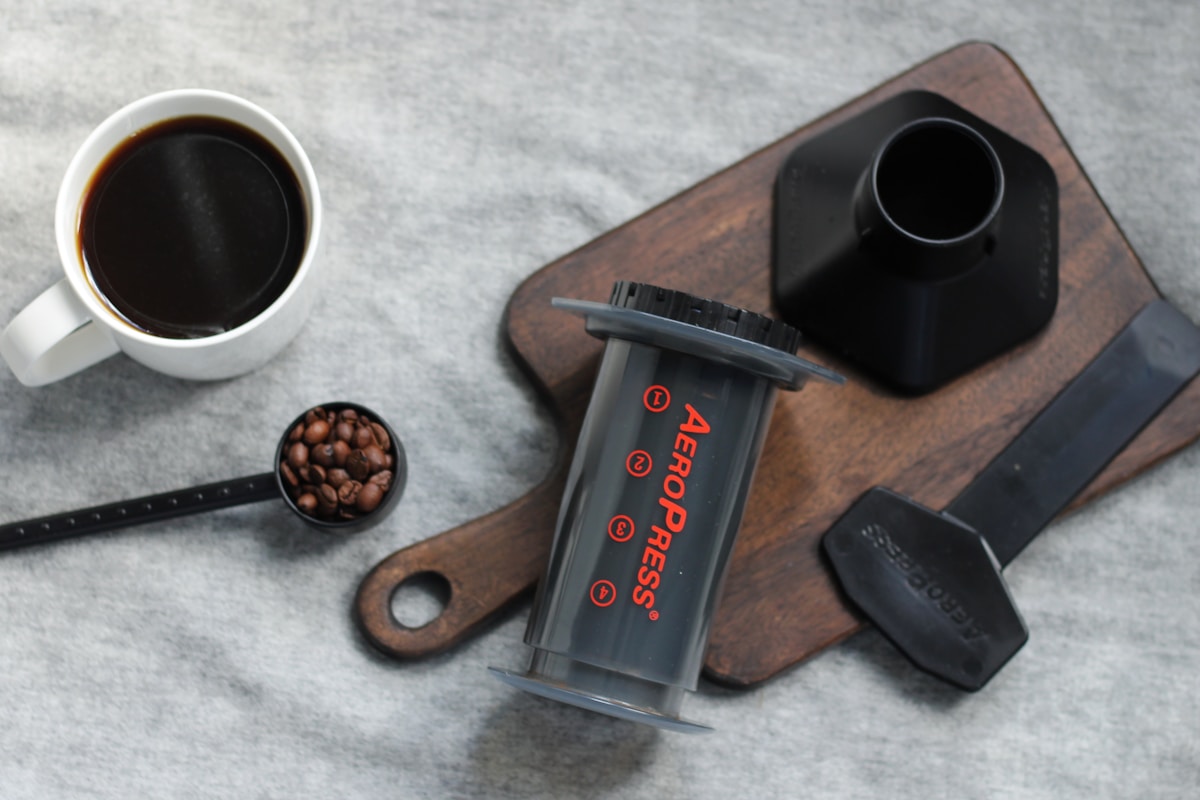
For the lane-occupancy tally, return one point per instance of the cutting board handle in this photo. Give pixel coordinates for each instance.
(486, 563)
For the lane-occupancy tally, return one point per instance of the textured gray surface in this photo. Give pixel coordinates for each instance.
(460, 146)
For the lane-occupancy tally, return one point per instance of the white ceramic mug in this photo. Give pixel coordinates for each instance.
(68, 327)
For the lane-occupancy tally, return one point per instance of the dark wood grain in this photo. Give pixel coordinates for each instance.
(827, 445)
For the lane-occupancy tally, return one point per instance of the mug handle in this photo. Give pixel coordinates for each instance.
(53, 337)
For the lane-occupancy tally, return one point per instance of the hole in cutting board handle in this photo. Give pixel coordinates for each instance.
(420, 599)
(486, 563)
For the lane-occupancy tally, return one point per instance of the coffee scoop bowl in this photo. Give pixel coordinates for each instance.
(338, 466)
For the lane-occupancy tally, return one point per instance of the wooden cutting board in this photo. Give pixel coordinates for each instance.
(827, 445)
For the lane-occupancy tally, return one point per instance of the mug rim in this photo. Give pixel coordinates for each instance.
(91, 154)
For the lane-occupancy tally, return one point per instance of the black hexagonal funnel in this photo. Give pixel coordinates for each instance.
(916, 240)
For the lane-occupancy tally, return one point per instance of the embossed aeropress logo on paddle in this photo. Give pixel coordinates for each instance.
(919, 579)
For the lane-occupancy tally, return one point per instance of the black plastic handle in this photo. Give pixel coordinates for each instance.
(1081, 430)
(98, 519)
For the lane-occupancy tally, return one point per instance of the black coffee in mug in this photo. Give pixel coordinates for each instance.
(192, 227)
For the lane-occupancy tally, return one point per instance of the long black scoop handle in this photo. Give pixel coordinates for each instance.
(166, 505)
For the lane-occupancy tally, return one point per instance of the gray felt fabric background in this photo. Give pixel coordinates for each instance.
(460, 146)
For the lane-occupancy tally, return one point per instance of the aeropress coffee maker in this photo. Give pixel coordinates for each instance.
(654, 497)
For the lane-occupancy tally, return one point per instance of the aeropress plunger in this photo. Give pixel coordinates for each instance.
(654, 497)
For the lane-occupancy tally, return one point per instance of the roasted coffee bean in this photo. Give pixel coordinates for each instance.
(348, 492)
(369, 498)
(344, 431)
(341, 451)
(313, 473)
(296, 433)
(375, 457)
(348, 414)
(297, 455)
(307, 503)
(316, 432)
(322, 454)
(336, 477)
(362, 437)
(327, 500)
(313, 415)
(289, 475)
(381, 436)
(358, 466)
(382, 479)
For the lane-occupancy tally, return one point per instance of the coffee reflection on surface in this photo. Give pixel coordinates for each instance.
(192, 227)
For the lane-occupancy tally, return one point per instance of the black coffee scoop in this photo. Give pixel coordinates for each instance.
(931, 581)
(298, 478)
